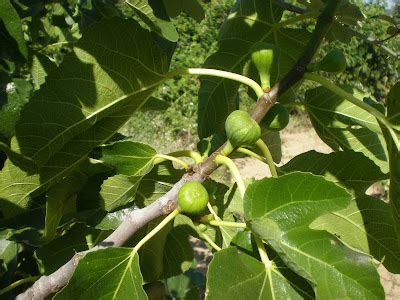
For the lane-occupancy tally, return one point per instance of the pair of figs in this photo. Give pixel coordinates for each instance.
(241, 130)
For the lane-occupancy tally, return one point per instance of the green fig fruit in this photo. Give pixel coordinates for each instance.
(241, 129)
(262, 56)
(193, 197)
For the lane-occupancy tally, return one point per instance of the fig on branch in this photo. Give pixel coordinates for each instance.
(241, 129)
(192, 197)
(333, 62)
(262, 56)
(277, 118)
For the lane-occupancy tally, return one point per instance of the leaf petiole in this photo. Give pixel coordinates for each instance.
(251, 154)
(210, 241)
(263, 253)
(17, 284)
(156, 229)
(159, 158)
(228, 224)
(223, 74)
(212, 211)
(188, 153)
(226, 161)
(268, 157)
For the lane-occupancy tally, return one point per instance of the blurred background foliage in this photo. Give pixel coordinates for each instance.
(49, 28)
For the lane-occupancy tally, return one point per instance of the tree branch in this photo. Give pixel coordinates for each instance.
(50, 284)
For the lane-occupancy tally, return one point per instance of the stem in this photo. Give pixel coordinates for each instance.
(342, 93)
(268, 157)
(267, 263)
(188, 153)
(212, 211)
(210, 241)
(18, 283)
(293, 104)
(228, 224)
(226, 161)
(159, 158)
(228, 149)
(251, 153)
(262, 252)
(156, 229)
(224, 74)
(298, 18)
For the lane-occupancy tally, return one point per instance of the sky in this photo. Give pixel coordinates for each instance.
(392, 2)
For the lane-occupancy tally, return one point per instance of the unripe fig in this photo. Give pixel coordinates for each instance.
(202, 227)
(333, 62)
(192, 197)
(277, 117)
(241, 129)
(262, 56)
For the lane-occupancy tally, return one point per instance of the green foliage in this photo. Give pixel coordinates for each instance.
(370, 68)
(247, 277)
(341, 124)
(196, 41)
(284, 224)
(73, 73)
(333, 62)
(116, 277)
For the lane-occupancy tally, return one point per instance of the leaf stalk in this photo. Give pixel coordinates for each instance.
(159, 158)
(227, 162)
(156, 229)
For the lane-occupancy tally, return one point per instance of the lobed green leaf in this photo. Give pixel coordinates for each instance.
(280, 211)
(343, 125)
(107, 273)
